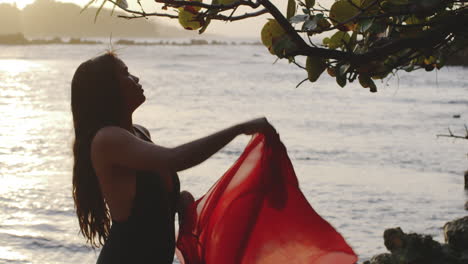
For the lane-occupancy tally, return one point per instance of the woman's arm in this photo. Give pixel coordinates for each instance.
(116, 146)
(195, 152)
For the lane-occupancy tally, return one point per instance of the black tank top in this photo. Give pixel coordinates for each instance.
(148, 235)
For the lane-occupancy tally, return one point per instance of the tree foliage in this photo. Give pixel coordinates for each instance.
(362, 40)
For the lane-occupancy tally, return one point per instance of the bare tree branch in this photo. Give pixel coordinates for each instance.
(451, 135)
(177, 3)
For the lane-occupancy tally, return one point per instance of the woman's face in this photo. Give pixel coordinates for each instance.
(132, 92)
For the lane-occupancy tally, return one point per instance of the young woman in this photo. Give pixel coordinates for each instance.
(125, 187)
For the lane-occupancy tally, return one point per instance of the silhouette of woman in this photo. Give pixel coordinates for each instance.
(125, 187)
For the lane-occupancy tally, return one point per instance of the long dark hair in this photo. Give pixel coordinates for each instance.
(95, 102)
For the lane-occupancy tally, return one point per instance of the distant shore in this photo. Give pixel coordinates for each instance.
(20, 39)
(459, 59)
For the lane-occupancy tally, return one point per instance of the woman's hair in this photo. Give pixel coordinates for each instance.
(95, 103)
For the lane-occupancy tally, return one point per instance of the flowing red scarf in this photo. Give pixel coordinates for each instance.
(256, 213)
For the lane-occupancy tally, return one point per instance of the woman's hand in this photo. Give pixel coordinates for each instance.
(259, 125)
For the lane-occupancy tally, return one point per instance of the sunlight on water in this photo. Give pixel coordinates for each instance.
(15, 67)
(365, 161)
(7, 253)
(10, 183)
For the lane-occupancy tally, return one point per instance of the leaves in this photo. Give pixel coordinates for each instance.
(342, 12)
(310, 24)
(122, 4)
(341, 81)
(365, 24)
(272, 30)
(338, 40)
(389, 35)
(315, 66)
(309, 3)
(189, 17)
(291, 9)
(283, 46)
(367, 82)
(371, 7)
(298, 19)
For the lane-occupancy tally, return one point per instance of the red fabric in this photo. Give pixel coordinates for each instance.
(256, 213)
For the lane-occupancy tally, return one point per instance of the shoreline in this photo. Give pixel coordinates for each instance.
(19, 39)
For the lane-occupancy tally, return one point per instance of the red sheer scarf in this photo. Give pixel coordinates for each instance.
(256, 213)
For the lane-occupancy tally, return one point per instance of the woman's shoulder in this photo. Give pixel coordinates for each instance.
(109, 135)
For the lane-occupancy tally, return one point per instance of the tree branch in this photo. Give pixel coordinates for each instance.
(240, 17)
(177, 3)
(215, 17)
(451, 135)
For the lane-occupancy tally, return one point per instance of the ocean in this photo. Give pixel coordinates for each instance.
(365, 161)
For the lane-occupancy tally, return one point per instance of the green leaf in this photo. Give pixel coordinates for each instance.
(310, 3)
(373, 87)
(310, 24)
(341, 12)
(365, 24)
(365, 80)
(205, 26)
(341, 81)
(291, 9)
(352, 41)
(298, 19)
(408, 68)
(341, 74)
(370, 10)
(283, 46)
(343, 69)
(322, 23)
(315, 66)
(411, 20)
(337, 40)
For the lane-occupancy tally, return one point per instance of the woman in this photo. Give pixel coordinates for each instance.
(125, 188)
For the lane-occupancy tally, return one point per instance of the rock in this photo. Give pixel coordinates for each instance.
(415, 249)
(422, 249)
(394, 239)
(466, 205)
(456, 234)
(384, 258)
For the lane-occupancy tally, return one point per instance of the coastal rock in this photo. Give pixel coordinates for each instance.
(422, 249)
(384, 258)
(456, 234)
(394, 239)
(414, 249)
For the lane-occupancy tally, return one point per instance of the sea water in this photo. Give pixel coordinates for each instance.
(365, 162)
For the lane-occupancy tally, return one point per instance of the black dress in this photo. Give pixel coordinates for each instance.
(148, 235)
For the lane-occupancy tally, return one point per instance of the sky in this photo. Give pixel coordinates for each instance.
(249, 28)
